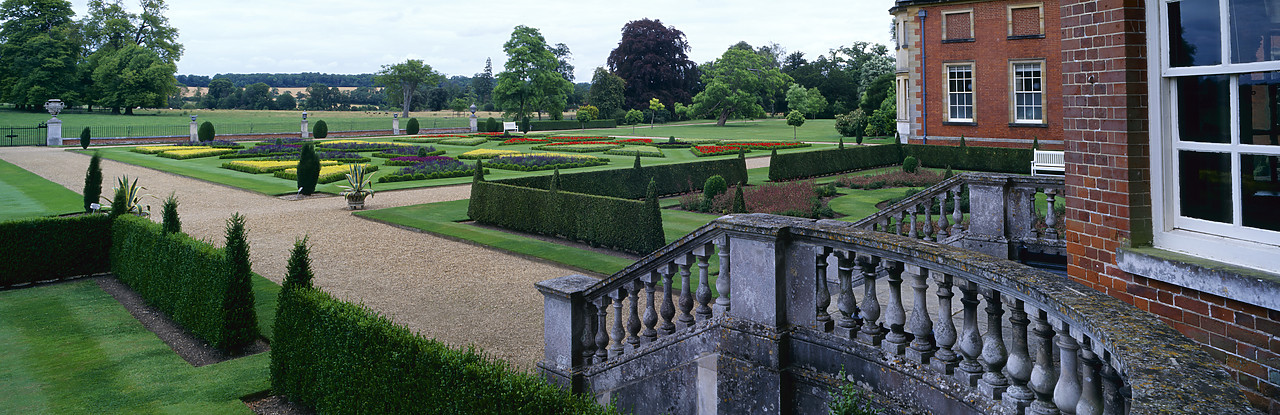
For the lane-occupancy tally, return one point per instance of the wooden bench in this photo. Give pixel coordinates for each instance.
(509, 126)
(1051, 162)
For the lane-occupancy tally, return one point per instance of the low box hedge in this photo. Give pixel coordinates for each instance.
(187, 279)
(41, 249)
(577, 148)
(196, 153)
(465, 141)
(819, 163)
(642, 151)
(632, 183)
(627, 225)
(341, 358)
(569, 124)
(988, 159)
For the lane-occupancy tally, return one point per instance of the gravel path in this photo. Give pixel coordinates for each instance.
(455, 292)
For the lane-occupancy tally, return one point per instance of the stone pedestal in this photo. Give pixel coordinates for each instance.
(306, 132)
(194, 131)
(474, 128)
(55, 132)
(395, 126)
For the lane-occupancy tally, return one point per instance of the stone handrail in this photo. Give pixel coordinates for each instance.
(1109, 357)
(881, 219)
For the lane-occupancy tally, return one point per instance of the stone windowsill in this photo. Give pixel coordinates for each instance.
(960, 40)
(1028, 124)
(964, 123)
(1021, 37)
(1246, 285)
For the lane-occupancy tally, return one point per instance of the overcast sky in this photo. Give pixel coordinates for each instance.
(455, 37)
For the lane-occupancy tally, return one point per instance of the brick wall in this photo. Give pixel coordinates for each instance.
(1105, 128)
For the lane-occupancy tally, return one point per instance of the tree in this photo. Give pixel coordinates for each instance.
(241, 321)
(482, 83)
(93, 182)
(563, 59)
(586, 114)
(39, 52)
(652, 59)
(285, 101)
(308, 169)
(607, 93)
(299, 267)
(733, 84)
(257, 96)
(321, 97)
(458, 105)
(634, 117)
(654, 106)
(402, 79)
(219, 90)
(110, 27)
(795, 119)
(206, 132)
(531, 79)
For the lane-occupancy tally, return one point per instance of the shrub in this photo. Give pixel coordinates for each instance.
(85, 138)
(988, 159)
(308, 169)
(910, 164)
(739, 202)
(819, 163)
(169, 215)
(93, 182)
(524, 124)
(853, 124)
(478, 174)
(604, 221)
(238, 313)
(798, 198)
(713, 187)
(631, 183)
(412, 127)
(321, 130)
(490, 126)
(948, 174)
(39, 249)
(299, 269)
(205, 132)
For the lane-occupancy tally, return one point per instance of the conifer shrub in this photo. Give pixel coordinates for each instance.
(241, 321)
(321, 130)
(85, 138)
(308, 169)
(206, 132)
(169, 221)
(413, 127)
(739, 203)
(93, 182)
(299, 268)
(636, 165)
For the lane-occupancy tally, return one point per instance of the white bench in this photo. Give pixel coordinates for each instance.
(1051, 162)
(509, 126)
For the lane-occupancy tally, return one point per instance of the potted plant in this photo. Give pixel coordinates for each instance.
(359, 186)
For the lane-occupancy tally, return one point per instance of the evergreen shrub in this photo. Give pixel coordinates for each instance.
(910, 164)
(413, 127)
(308, 169)
(85, 138)
(39, 249)
(93, 182)
(600, 220)
(321, 130)
(206, 132)
(632, 183)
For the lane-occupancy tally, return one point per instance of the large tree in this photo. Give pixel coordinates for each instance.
(652, 58)
(482, 83)
(530, 79)
(606, 93)
(110, 26)
(133, 77)
(39, 50)
(734, 83)
(402, 79)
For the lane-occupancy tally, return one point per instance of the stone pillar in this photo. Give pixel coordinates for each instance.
(987, 227)
(474, 128)
(564, 314)
(55, 132)
(306, 132)
(395, 124)
(194, 130)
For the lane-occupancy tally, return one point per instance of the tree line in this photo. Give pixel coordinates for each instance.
(281, 80)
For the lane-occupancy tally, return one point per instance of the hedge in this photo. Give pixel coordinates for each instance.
(341, 358)
(988, 159)
(187, 279)
(40, 249)
(196, 153)
(627, 225)
(818, 163)
(570, 124)
(631, 183)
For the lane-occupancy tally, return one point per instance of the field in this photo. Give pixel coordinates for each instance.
(146, 122)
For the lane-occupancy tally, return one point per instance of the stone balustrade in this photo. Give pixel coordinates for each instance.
(1026, 341)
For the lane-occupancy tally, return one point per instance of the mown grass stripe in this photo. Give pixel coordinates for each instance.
(29, 195)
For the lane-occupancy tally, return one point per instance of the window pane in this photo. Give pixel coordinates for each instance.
(1203, 111)
(1255, 31)
(1194, 33)
(1261, 191)
(1205, 181)
(1259, 109)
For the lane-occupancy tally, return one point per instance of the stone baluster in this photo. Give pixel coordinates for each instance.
(686, 293)
(942, 216)
(911, 232)
(1044, 376)
(1050, 217)
(872, 332)
(824, 294)
(928, 219)
(1091, 385)
(668, 306)
(589, 334)
(1018, 396)
(903, 221)
(1067, 393)
(602, 334)
(945, 359)
(1112, 402)
(650, 314)
(615, 348)
(922, 347)
(888, 221)
(703, 295)
(633, 317)
(722, 281)
(994, 356)
(957, 215)
(970, 340)
(895, 316)
(846, 324)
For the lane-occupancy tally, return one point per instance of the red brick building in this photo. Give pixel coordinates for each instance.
(1169, 113)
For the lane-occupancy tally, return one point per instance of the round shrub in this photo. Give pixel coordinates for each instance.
(910, 164)
(714, 186)
(412, 128)
(321, 130)
(205, 132)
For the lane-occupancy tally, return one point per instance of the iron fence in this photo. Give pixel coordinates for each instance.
(23, 136)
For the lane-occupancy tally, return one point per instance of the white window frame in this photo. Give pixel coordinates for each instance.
(1039, 9)
(973, 93)
(944, 24)
(1224, 242)
(1013, 92)
(902, 100)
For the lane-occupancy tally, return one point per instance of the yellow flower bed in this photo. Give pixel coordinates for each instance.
(196, 153)
(267, 166)
(486, 153)
(575, 156)
(328, 174)
(161, 149)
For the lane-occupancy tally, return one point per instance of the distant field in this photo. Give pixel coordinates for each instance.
(191, 91)
(154, 122)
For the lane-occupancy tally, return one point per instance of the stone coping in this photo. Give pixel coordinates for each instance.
(1242, 284)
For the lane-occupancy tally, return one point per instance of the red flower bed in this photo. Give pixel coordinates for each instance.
(637, 141)
(489, 134)
(701, 151)
(520, 140)
(577, 138)
(583, 142)
(441, 136)
(767, 145)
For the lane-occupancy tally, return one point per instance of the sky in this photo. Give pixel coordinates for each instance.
(455, 37)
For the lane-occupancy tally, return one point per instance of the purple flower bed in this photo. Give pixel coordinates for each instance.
(361, 146)
(433, 167)
(544, 162)
(213, 143)
(325, 155)
(426, 162)
(407, 150)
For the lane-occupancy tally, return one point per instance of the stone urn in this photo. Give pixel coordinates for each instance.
(355, 201)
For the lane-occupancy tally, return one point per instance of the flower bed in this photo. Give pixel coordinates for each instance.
(435, 168)
(355, 145)
(328, 174)
(522, 140)
(642, 151)
(212, 143)
(161, 149)
(700, 141)
(464, 141)
(766, 145)
(407, 151)
(703, 151)
(289, 140)
(196, 153)
(571, 138)
(544, 161)
(421, 140)
(485, 153)
(266, 166)
(637, 141)
(411, 160)
(797, 198)
(580, 146)
(921, 178)
(265, 150)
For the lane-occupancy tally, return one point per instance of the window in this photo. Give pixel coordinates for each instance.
(901, 100)
(1028, 92)
(960, 92)
(1026, 22)
(1215, 87)
(957, 26)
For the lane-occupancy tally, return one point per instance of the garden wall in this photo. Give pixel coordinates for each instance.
(50, 248)
(623, 224)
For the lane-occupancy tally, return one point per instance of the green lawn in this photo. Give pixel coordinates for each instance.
(209, 168)
(71, 348)
(766, 129)
(29, 195)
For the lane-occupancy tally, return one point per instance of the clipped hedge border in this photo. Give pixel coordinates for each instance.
(337, 357)
(634, 151)
(391, 156)
(570, 124)
(627, 225)
(427, 176)
(988, 159)
(260, 155)
(40, 249)
(521, 167)
(577, 148)
(632, 183)
(231, 165)
(464, 141)
(189, 280)
(818, 163)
